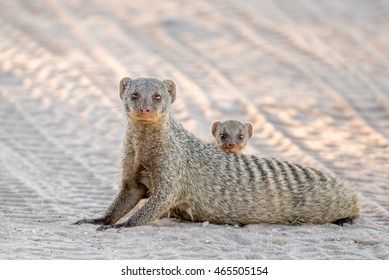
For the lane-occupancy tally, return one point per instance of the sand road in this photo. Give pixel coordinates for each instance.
(312, 77)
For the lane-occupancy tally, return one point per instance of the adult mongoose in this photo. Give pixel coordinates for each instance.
(232, 135)
(198, 181)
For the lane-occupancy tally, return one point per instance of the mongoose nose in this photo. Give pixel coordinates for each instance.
(231, 145)
(144, 111)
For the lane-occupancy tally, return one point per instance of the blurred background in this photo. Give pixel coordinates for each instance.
(311, 76)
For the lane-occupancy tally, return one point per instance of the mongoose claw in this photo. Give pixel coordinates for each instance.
(104, 227)
(340, 222)
(120, 226)
(83, 221)
(117, 226)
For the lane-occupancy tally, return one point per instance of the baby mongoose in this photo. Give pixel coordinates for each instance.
(198, 181)
(232, 135)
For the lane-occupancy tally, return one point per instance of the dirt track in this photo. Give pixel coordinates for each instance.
(311, 76)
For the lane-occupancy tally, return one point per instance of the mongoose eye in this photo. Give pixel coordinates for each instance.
(157, 97)
(134, 96)
(223, 136)
(241, 136)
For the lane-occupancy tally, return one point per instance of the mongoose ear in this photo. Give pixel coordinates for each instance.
(214, 127)
(123, 85)
(171, 87)
(249, 128)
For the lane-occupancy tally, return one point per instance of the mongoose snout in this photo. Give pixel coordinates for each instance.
(231, 145)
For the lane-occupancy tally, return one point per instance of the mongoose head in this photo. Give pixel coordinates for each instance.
(147, 99)
(232, 136)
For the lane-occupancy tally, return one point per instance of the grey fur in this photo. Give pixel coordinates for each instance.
(197, 181)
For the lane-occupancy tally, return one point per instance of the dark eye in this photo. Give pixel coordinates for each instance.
(223, 136)
(157, 97)
(134, 96)
(241, 136)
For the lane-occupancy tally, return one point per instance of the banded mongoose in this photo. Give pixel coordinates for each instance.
(198, 181)
(232, 135)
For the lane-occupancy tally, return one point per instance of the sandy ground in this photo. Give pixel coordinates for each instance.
(312, 77)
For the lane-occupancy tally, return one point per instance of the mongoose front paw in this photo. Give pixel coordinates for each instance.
(123, 225)
(340, 222)
(105, 227)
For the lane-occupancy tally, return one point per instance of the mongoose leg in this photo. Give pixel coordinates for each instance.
(105, 227)
(157, 205)
(153, 208)
(125, 200)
